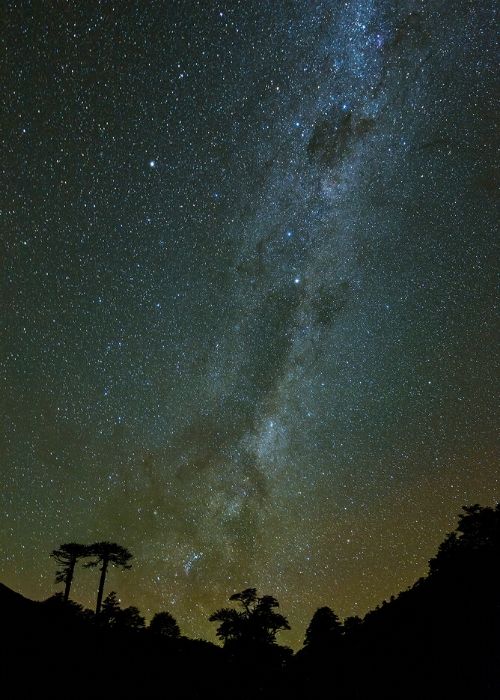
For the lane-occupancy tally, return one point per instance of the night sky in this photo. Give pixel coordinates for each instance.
(247, 295)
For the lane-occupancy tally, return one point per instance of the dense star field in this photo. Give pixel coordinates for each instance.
(248, 295)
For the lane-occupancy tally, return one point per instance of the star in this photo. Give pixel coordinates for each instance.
(270, 323)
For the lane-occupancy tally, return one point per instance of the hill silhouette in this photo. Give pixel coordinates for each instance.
(438, 639)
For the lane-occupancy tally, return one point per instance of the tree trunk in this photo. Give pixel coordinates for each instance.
(100, 592)
(69, 579)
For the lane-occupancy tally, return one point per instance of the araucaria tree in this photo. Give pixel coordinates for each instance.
(67, 557)
(104, 554)
(257, 621)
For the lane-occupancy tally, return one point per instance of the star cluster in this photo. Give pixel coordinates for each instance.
(248, 295)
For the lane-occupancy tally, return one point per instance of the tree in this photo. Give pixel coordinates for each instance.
(164, 624)
(110, 610)
(324, 629)
(120, 618)
(473, 546)
(106, 553)
(256, 623)
(67, 557)
(352, 623)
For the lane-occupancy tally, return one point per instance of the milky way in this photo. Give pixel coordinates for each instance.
(248, 295)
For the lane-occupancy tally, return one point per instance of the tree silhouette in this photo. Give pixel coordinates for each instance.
(352, 623)
(66, 557)
(120, 618)
(110, 610)
(164, 625)
(256, 622)
(474, 545)
(106, 553)
(324, 629)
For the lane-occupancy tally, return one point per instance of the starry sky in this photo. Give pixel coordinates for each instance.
(247, 259)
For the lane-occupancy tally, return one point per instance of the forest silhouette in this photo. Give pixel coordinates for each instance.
(438, 639)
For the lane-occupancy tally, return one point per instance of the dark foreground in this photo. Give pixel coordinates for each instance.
(439, 639)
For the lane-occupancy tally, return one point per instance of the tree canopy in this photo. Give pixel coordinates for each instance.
(324, 629)
(165, 625)
(474, 544)
(104, 554)
(112, 615)
(110, 553)
(257, 621)
(66, 557)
